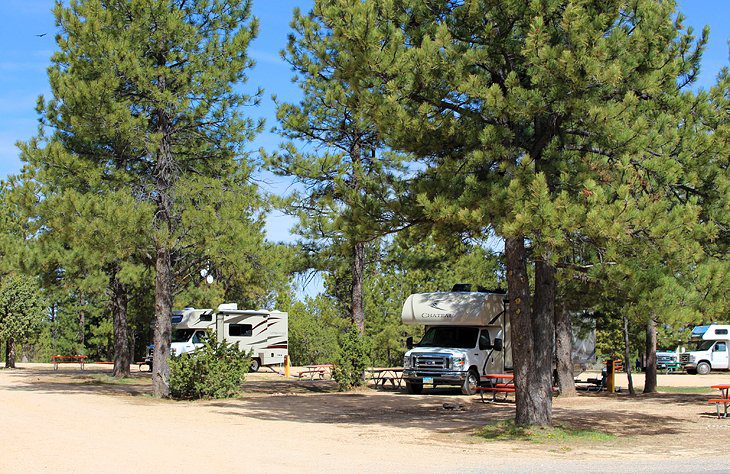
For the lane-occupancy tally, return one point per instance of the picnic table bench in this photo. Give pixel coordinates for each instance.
(381, 375)
(506, 387)
(724, 400)
(68, 359)
(312, 371)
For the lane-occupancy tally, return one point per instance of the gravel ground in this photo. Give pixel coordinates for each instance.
(74, 421)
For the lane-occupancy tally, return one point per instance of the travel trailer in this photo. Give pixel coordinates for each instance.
(262, 333)
(468, 335)
(711, 349)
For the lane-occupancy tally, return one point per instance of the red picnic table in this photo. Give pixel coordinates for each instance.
(495, 386)
(60, 359)
(724, 400)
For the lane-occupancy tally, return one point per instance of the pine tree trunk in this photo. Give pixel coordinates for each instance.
(564, 352)
(543, 337)
(650, 383)
(163, 325)
(82, 325)
(164, 225)
(518, 287)
(122, 360)
(10, 353)
(627, 360)
(358, 266)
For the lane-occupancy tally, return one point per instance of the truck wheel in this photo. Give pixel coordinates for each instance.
(255, 365)
(414, 388)
(470, 383)
(703, 368)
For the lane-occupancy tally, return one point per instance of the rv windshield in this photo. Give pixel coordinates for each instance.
(182, 335)
(461, 338)
(704, 345)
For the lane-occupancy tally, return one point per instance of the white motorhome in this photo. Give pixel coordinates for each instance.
(262, 333)
(467, 335)
(711, 350)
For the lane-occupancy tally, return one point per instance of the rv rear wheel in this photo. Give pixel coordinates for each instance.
(414, 388)
(470, 383)
(703, 368)
(255, 365)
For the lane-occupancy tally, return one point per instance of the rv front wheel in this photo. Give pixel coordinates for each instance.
(255, 365)
(470, 383)
(414, 388)
(703, 368)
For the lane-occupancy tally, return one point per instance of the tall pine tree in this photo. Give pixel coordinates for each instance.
(536, 116)
(146, 92)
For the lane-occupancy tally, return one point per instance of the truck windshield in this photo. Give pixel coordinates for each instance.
(704, 345)
(182, 335)
(461, 338)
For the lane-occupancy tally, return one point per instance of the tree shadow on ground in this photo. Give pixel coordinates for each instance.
(442, 409)
(87, 381)
(435, 412)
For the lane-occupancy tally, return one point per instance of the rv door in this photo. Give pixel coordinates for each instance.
(720, 355)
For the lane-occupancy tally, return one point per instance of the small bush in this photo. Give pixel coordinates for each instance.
(352, 359)
(216, 370)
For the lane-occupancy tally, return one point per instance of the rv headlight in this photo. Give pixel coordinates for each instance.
(407, 362)
(692, 358)
(458, 362)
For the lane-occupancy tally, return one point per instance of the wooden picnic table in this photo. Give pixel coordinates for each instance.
(316, 370)
(724, 400)
(381, 375)
(506, 385)
(68, 359)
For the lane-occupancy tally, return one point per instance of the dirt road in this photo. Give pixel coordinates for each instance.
(73, 421)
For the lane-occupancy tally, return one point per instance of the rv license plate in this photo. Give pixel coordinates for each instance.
(427, 380)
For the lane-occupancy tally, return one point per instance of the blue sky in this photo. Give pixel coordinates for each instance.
(24, 58)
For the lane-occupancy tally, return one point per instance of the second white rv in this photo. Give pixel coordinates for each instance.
(262, 333)
(711, 350)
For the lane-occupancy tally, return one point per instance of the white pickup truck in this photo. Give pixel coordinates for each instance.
(711, 350)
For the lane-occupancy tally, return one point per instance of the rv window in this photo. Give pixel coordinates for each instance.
(240, 330)
(206, 317)
(720, 347)
(720, 331)
(704, 345)
(484, 342)
(181, 335)
(198, 337)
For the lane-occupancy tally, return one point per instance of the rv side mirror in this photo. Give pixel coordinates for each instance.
(498, 344)
(409, 342)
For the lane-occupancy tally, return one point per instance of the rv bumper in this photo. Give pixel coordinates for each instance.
(689, 366)
(439, 378)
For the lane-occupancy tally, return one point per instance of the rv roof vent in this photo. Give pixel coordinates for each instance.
(228, 307)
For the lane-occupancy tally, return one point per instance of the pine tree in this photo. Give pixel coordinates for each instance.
(144, 92)
(336, 154)
(539, 119)
(22, 309)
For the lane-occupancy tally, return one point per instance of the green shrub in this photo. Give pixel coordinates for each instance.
(216, 370)
(352, 359)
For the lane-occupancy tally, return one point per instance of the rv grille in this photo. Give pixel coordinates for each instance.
(684, 357)
(432, 362)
